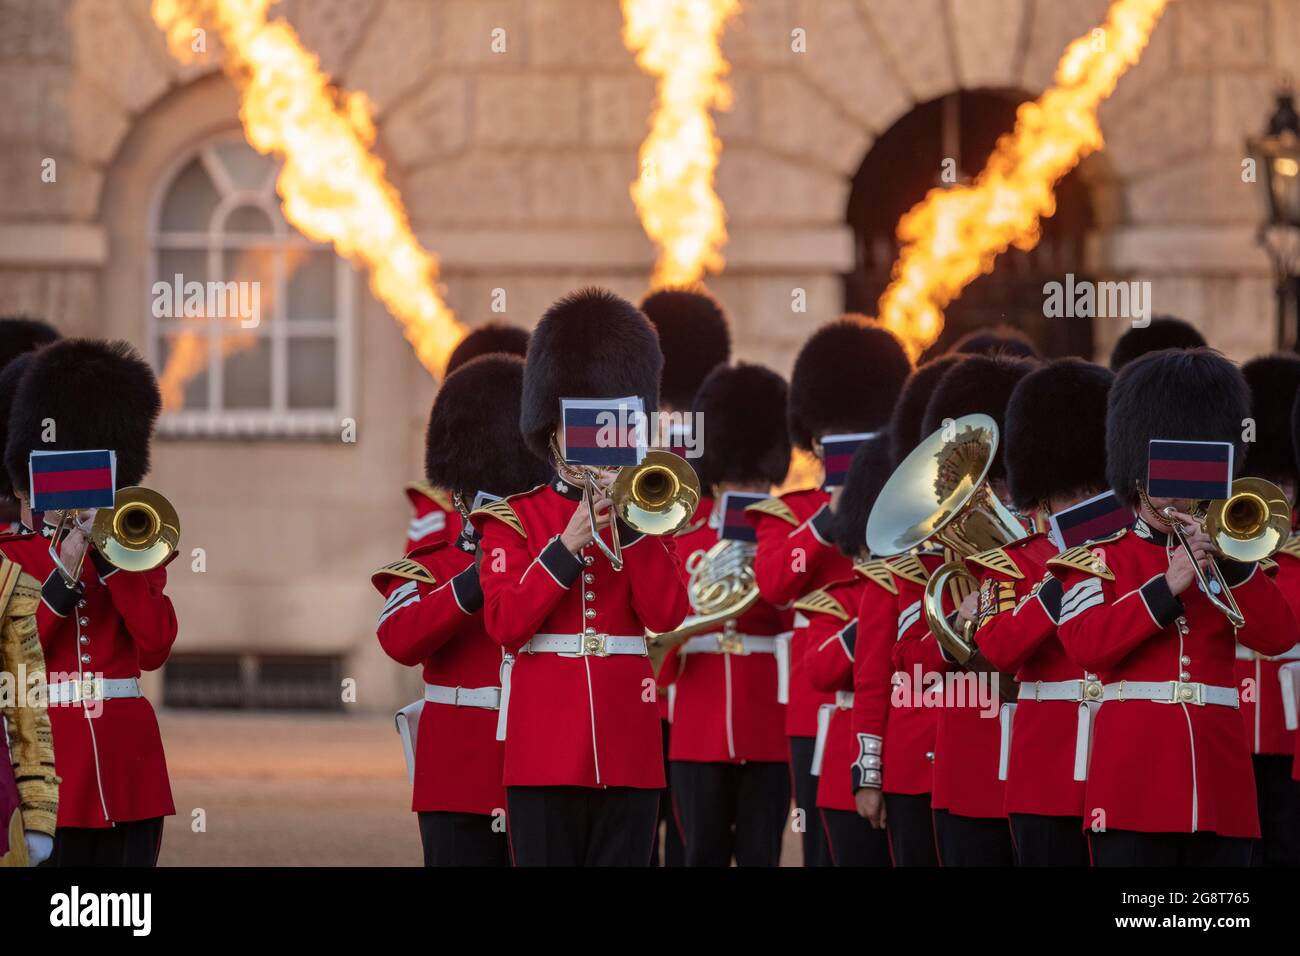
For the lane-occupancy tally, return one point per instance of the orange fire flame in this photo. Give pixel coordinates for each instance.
(952, 237)
(333, 189)
(677, 41)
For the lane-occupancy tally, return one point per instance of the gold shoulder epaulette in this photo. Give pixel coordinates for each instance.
(439, 496)
(819, 602)
(502, 511)
(406, 568)
(997, 559)
(909, 568)
(878, 572)
(776, 508)
(1081, 559)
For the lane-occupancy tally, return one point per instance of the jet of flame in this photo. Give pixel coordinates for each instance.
(333, 189)
(677, 41)
(952, 237)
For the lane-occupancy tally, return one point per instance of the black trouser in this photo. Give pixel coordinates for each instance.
(973, 841)
(910, 825)
(1279, 812)
(731, 809)
(463, 839)
(1135, 848)
(1049, 841)
(816, 852)
(854, 841)
(674, 849)
(135, 843)
(581, 826)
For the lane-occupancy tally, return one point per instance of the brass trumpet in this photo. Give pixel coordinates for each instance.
(140, 532)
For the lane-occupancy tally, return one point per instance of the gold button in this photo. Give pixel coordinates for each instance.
(1184, 676)
(590, 612)
(590, 595)
(588, 578)
(1184, 660)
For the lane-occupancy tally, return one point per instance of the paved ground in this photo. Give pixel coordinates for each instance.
(292, 790)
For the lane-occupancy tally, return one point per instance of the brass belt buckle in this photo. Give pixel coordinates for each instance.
(1091, 690)
(1188, 694)
(88, 688)
(594, 645)
(731, 643)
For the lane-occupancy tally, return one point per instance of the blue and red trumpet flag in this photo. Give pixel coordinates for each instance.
(837, 455)
(1097, 517)
(72, 480)
(603, 433)
(1191, 470)
(736, 525)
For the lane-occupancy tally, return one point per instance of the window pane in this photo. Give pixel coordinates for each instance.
(256, 267)
(311, 284)
(183, 377)
(247, 219)
(248, 168)
(190, 201)
(311, 372)
(248, 372)
(192, 266)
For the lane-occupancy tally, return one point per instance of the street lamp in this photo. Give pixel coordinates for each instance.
(1277, 157)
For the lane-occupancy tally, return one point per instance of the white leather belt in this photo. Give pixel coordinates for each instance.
(723, 643)
(1172, 692)
(586, 645)
(489, 698)
(94, 688)
(1072, 690)
(1246, 654)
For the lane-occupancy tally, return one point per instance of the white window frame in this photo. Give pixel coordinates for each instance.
(278, 421)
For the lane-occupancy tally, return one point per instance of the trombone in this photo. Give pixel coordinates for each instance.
(1249, 525)
(140, 532)
(657, 496)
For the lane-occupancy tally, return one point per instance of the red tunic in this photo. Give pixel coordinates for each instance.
(575, 719)
(112, 765)
(1018, 636)
(795, 557)
(435, 518)
(725, 708)
(1262, 712)
(832, 634)
(1165, 767)
(435, 619)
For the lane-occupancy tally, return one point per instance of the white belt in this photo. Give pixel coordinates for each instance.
(1088, 693)
(729, 644)
(586, 645)
(94, 688)
(1006, 720)
(1246, 654)
(1172, 692)
(1288, 675)
(782, 652)
(488, 698)
(1074, 690)
(824, 712)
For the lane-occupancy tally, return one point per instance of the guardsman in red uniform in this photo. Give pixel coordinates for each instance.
(846, 379)
(18, 339)
(970, 821)
(1162, 332)
(112, 625)
(435, 518)
(1170, 780)
(432, 617)
(894, 794)
(695, 338)
(728, 762)
(1055, 441)
(1274, 382)
(584, 750)
(832, 642)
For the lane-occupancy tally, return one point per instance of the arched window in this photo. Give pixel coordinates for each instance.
(250, 322)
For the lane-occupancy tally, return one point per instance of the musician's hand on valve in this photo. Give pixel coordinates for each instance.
(577, 534)
(969, 605)
(1181, 571)
(73, 548)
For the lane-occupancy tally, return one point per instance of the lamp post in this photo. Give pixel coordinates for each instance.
(1277, 157)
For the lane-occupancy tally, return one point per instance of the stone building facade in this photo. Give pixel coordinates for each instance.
(515, 167)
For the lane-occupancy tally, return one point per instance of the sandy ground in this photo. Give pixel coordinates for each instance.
(292, 790)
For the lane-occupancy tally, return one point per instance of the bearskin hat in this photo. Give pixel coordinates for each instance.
(10, 376)
(589, 344)
(742, 409)
(1162, 332)
(999, 340)
(1182, 395)
(19, 335)
(694, 337)
(472, 443)
(96, 394)
(846, 379)
(871, 467)
(488, 339)
(909, 414)
(982, 384)
(1274, 381)
(1055, 435)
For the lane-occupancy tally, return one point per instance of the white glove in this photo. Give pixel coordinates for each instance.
(39, 847)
